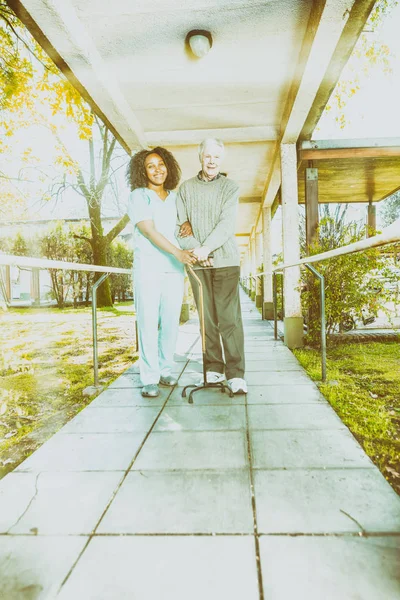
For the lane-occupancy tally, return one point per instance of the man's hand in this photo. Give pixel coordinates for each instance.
(207, 263)
(201, 253)
(185, 230)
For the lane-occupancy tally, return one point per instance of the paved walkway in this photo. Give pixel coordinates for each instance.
(267, 496)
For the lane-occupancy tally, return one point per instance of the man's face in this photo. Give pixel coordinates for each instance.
(211, 160)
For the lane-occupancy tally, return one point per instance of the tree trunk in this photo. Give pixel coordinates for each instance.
(100, 256)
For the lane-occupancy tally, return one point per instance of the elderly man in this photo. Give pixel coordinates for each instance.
(209, 202)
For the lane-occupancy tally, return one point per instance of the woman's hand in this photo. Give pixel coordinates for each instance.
(185, 230)
(185, 256)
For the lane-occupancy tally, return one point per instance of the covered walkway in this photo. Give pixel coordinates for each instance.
(263, 496)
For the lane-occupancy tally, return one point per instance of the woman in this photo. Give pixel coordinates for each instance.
(158, 263)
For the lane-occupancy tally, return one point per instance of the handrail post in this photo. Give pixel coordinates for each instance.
(94, 327)
(322, 316)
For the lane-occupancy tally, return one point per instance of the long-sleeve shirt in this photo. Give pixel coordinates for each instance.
(211, 208)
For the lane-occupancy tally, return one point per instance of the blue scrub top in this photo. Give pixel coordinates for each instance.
(145, 205)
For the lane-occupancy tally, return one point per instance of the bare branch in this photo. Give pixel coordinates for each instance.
(83, 237)
(116, 230)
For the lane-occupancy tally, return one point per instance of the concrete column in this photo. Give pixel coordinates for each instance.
(7, 274)
(248, 269)
(371, 228)
(311, 198)
(259, 260)
(185, 310)
(293, 321)
(35, 286)
(253, 263)
(267, 262)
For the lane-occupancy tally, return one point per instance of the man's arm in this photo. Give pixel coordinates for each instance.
(189, 242)
(226, 225)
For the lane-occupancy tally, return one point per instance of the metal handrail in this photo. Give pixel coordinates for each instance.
(43, 263)
(389, 235)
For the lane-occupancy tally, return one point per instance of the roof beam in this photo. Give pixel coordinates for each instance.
(229, 135)
(329, 22)
(326, 25)
(67, 36)
(348, 143)
(329, 153)
(358, 16)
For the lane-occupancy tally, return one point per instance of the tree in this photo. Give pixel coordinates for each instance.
(19, 246)
(367, 55)
(91, 186)
(121, 256)
(351, 281)
(82, 281)
(390, 210)
(56, 245)
(29, 76)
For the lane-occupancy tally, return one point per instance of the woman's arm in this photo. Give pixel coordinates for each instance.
(149, 231)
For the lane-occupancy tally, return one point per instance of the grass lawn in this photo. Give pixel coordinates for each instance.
(364, 389)
(46, 362)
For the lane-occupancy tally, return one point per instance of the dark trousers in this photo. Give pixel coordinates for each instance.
(222, 319)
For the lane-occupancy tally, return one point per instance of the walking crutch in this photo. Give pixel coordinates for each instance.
(223, 387)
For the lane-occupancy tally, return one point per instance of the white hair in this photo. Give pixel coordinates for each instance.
(207, 142)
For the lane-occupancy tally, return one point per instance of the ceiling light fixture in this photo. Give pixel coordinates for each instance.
(200, 42)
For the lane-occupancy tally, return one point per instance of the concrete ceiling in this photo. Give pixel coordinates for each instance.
(257, 86)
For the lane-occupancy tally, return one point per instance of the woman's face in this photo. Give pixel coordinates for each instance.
(156, 170)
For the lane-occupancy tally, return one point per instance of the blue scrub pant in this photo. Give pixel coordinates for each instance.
(158, 302)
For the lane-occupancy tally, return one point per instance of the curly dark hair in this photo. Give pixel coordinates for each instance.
(136, 173)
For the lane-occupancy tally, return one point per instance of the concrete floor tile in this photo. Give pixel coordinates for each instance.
(204, 398)
(269, 354)
(331, 501)
(129, 397)
(201, 418)
(284, 394)
(113, 419)
(188, 378)
(292, 416)
(127, 380)
(333, 568)
(34, 567)
(165, 568)
(262, 366)
(55, 503)
(306, 449)
(181, 502)
(193, 450)
(16, 491)
(85, 452)
(292, 378)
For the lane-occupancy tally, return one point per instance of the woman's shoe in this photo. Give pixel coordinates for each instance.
(169, 380)
(150, 391)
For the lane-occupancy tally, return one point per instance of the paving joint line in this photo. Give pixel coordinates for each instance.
(93, 532)
(344, 534)
(254, 509)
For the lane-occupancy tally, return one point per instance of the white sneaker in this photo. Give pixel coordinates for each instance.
(237, 385)
(212, 377)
